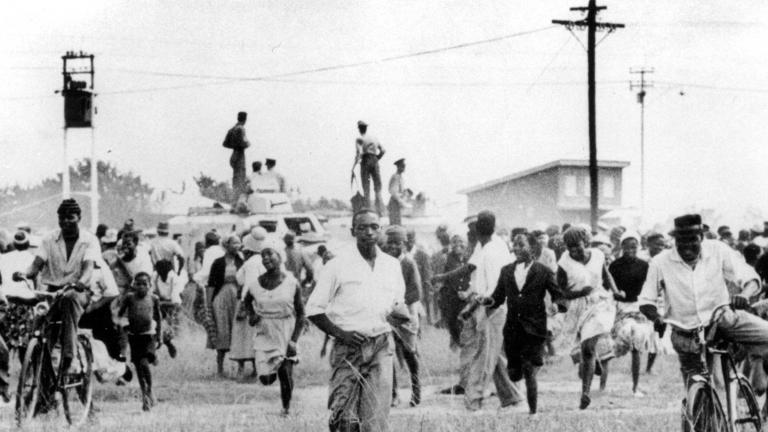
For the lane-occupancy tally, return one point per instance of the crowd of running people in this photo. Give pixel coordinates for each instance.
(505, 298)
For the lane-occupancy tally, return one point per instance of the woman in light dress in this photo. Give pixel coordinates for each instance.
(277, 312)
(585, 281)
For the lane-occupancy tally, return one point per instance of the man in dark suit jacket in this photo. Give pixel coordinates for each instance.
(524, 284)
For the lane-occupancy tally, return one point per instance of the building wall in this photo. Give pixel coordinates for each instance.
(546, 197)
(524, 202)
(578, 197)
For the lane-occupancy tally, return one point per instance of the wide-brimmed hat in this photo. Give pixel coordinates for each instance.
(687, 225)
(110, 236)
(254, 241)
(163, 228)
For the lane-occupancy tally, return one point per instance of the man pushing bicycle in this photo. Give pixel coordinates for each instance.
(65, 259)
(692, 277)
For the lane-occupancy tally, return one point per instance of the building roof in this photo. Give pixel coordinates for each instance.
(554, 164)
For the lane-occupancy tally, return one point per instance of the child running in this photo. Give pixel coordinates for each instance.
(142, 310)
(167, 287)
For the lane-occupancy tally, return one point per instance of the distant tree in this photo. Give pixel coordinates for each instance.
(121, 195)
(216, 190)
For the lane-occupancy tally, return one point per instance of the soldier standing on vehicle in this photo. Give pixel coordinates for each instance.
(237, 141)
(368, 152)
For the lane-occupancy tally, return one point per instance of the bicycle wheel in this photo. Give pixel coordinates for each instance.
(747, 410)
(704, 412)
(77, 385)
(28, 389)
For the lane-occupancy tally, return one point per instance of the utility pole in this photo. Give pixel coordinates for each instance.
(78, 113)
(642, 85)
(592, 25)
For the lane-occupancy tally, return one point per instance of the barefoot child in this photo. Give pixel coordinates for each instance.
(142, 310)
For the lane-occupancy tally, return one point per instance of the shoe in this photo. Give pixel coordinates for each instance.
(585, 401)
(638, 394)
(171, 349)
(128, 374)
(395, 401)
(510, 404)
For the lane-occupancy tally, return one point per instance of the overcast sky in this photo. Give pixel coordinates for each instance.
(460, 117)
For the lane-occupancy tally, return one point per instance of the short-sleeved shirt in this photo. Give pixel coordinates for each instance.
(690, 294)
(356, 297)
(164, 248)
(488, 260)
(367, 144)
(60, 270)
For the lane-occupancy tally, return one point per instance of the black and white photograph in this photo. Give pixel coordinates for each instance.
(374, 216)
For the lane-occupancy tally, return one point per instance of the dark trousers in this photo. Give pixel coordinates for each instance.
(369, 170)
(450, 307)
(411, 359)
(525, 355)
(68, 309)
(394, 213)
(98, 318)
(5, 362)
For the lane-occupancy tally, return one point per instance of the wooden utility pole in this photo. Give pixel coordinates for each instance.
(591, 24)
(642, 85)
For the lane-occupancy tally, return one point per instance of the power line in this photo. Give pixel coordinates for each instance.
(229, 79)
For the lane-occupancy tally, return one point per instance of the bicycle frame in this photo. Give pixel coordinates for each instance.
(730, 373)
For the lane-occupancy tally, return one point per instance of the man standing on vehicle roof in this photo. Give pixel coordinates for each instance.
(692, 278)
(368, 151)
(236, 140)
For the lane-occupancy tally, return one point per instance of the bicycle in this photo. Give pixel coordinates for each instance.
(43, 384)
(703, 410)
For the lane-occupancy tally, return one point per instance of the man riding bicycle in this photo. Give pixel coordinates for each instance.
(66, 258)
(692, 277)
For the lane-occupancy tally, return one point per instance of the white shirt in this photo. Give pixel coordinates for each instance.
(103, 281)
(12, 262)
(171, 289)
(488, 260)
(356, 297)
(248, 275)
(521, 272)
(210, 255)
(690, 294)
(140, 263)
(165, 248)
(60, 270)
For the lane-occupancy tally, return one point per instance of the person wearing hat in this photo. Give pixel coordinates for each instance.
(691, 278)
(129, 225)
(242, 346)
(405, 334)
(368, 152)
(397, 194)
(164, 248)
(66, 258)
(236, 140)
(632, 331)
(355, 294)
(274, 180)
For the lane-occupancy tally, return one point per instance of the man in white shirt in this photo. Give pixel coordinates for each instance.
(213, 251)
(356, 295)
(481, 334)
(164, 248)
(66, 258)
(692, 280)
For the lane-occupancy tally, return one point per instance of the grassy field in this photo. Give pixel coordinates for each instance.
(191, 398)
